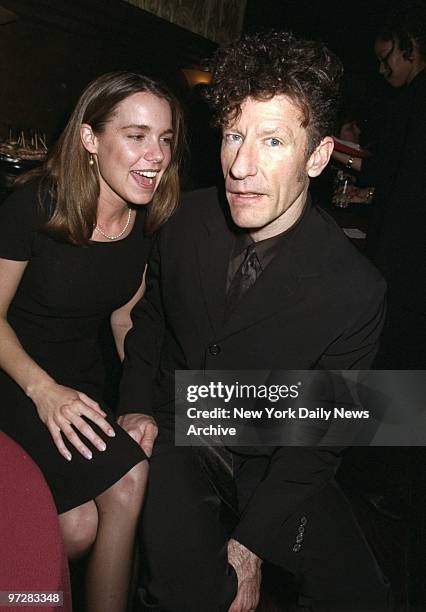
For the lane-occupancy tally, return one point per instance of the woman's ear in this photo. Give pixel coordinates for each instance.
(88, 138)
(320, 157)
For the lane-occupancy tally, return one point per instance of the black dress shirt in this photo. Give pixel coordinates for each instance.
(266, 249)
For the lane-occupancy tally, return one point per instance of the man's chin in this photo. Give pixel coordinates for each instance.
(243, 221)
(244, 216)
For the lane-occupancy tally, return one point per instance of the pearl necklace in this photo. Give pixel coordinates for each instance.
(101, 231)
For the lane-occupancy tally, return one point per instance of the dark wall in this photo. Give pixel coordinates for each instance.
(56, 47)
(348, 28)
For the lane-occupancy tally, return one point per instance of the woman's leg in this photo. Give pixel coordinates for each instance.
(110, 563)
(79, 527)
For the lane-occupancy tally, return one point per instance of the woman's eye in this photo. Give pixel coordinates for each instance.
(167, 141)
(136, 136)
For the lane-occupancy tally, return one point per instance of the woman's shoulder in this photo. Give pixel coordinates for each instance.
(22, 215)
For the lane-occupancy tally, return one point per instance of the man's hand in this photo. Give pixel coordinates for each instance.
(247, 567)
(359, 195)
(142, 428)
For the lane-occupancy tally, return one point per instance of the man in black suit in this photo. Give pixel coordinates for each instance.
(257, 280)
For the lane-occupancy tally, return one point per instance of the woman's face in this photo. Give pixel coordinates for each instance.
(394, 66)
(134, 149)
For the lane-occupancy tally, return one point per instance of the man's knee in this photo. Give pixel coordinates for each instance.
(190, 589)
(184, 539)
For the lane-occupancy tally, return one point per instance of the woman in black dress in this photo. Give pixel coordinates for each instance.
(74, 240)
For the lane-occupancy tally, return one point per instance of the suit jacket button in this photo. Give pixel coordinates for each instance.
(214, 349)
(303, 520)
(299, 538)
(296, 548)
(301, 529)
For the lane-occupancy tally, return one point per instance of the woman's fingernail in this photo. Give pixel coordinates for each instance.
(68, 456)
(102, 446)
(88, 454)
(111, 433)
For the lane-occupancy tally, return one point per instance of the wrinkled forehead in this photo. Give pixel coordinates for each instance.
(264, 108)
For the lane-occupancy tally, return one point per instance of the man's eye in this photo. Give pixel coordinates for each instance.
(136, 136)
(274, 142)
(233, 137)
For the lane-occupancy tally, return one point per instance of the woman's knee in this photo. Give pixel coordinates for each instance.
(79, 528)
(128, 492)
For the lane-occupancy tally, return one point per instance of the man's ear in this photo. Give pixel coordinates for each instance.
(320, 157)
(88, 138)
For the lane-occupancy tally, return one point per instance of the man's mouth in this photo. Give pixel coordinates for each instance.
(246, 195)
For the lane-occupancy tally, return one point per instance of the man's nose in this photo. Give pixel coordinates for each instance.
(245, 161)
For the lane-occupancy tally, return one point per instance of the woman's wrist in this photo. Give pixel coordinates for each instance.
(38, 385)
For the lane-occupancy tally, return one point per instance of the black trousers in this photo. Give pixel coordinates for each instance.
(186, 525)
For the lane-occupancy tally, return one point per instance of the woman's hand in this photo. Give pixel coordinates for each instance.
(61, 409)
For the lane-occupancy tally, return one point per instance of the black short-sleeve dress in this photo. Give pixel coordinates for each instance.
(66, 294)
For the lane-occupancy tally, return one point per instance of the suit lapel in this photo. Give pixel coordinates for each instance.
(281, 284)
(271, 292)
(214, 247)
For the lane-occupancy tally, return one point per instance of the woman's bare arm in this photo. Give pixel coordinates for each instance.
(59, 407)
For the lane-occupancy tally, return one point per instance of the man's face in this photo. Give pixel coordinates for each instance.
(265, 166)
(395, 68)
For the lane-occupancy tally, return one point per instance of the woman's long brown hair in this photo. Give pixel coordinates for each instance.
(72, 183)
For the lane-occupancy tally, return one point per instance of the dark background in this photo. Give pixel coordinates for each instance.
(56, 47)
(348, 28)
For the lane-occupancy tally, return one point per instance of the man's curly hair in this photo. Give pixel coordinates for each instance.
(265, 64)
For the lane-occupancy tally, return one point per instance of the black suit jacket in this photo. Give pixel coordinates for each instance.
(319, 303)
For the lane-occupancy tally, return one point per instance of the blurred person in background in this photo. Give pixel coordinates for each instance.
(397, 236)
